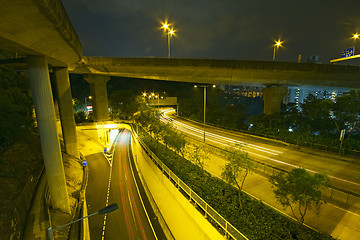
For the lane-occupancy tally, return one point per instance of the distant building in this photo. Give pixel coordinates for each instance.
(314, 59)
(296, 95)
(299, 95)
(246, 91)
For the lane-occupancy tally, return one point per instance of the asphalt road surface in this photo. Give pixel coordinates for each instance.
(115, 180)
(341, 170)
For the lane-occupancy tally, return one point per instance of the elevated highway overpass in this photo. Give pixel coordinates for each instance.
(217, 71)
(39, 34)
(276, 76)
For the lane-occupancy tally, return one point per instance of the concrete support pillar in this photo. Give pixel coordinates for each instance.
(99, 96)
(46, 120)
(273, 95)
(66, 111)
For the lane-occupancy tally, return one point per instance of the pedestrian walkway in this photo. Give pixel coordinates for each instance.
(340, 223)
(38, 220)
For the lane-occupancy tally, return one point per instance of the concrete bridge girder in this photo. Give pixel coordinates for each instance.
(273, 96)
(224, 71)
(99, 96)
(46, 120)
(233, 72)
(39, 28)
(66, 112)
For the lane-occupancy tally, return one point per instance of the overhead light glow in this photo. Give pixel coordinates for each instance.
(278, 43)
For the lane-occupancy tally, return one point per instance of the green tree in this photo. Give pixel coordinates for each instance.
(197, 155)
(80, 116)
(292, 117)
(237, 169)
(146, 117)
(15, 105)
(318, 114)
(269, 124)
(301, 188)
(173, 138)
(123, 104)
(149, 119)
(347, 111)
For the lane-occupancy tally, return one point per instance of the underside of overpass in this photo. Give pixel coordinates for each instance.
(39, 34)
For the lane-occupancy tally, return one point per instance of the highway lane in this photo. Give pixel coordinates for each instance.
(135, 218)
(96, 191)
(343, 174)
(115, 180)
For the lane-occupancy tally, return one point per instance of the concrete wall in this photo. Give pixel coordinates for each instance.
(184, 221)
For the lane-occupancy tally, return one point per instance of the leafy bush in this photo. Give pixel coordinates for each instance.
(255, 220)
(15, 106)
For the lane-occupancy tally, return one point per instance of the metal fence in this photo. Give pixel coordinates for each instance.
(23, 204)
(275, 138)
(228, 229)
(336, 195)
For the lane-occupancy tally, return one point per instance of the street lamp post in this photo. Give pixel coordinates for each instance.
(169, 32)
(276, 46)
(157, 97)
(108, 209)
(204, 86)
(355, 37)
(89, 97)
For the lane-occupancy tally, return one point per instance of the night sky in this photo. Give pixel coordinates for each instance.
(228, 29)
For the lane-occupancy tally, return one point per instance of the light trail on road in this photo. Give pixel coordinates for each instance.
(132, 221)
(218, 139)
(252, 149)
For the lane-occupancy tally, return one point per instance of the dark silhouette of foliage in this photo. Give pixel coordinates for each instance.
(15, 105)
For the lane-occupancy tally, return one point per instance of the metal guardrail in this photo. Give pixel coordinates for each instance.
(228, 228)
(341, 197)
(287, 140)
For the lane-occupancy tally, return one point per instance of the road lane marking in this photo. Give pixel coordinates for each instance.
(142, 203)
(226, 139)
(122, 193)
(107, 200)
(271, 159)
(132, 211)
(130, 188)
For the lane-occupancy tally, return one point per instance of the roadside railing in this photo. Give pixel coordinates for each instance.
(228, 228)
(333, 149)
(23, 204)
(340, 197)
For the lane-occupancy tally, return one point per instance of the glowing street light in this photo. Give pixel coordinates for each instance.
(276, 46)
(355, 37)
(170, 32)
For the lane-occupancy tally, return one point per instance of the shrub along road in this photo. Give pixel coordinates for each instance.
(338, 222)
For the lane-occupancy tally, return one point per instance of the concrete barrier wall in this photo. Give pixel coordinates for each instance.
(183, 220)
